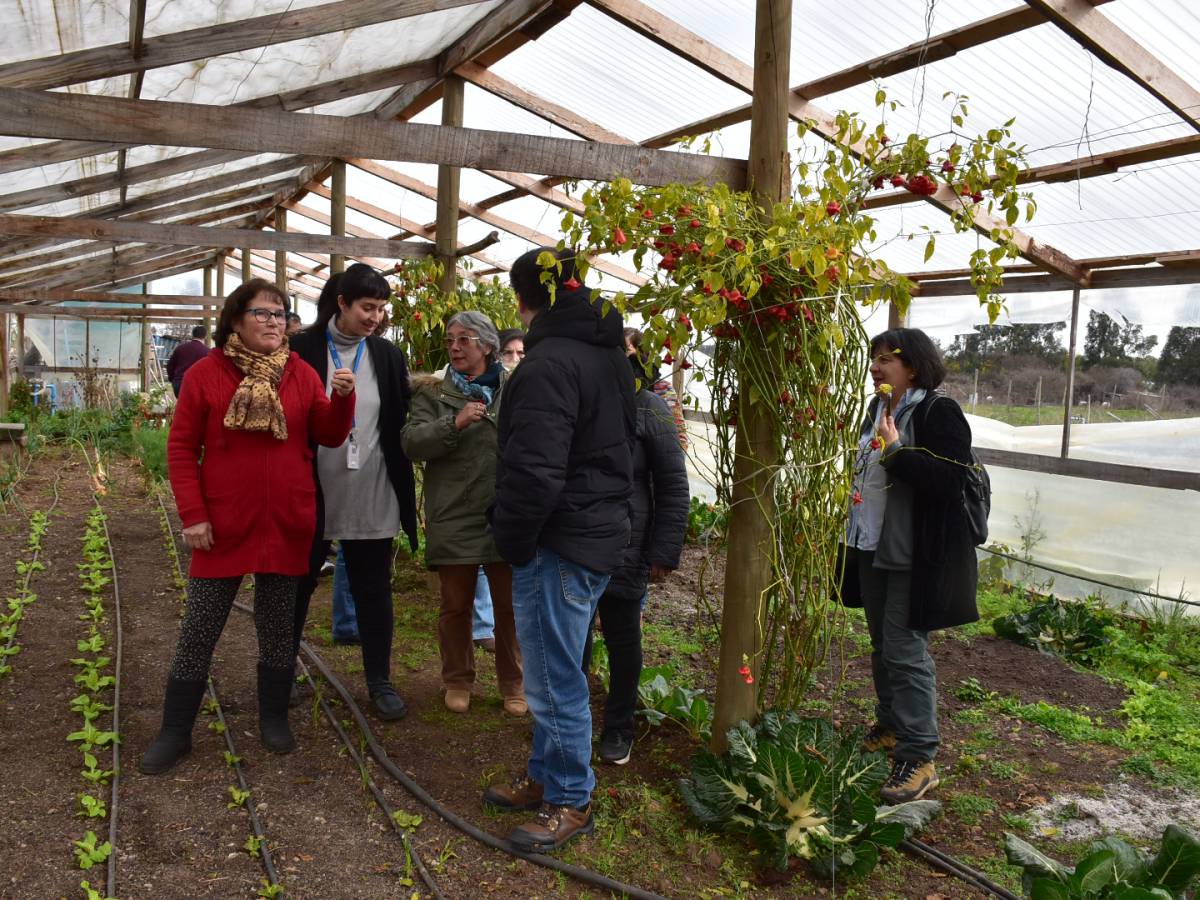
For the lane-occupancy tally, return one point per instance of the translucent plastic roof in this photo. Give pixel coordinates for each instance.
(1067, 104)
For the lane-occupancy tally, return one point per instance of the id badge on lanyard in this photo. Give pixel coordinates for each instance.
(352, 458)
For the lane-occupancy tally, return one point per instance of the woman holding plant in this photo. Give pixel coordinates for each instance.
(910, 561)
(239, 461)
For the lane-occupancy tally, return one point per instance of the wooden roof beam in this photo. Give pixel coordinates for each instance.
(35, 299)
(674, 37)
(1114, 46)
(213, 40)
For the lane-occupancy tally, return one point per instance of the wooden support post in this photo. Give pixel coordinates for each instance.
(447, 190)
(20, 345)
(208, 289)
(5, 377)
(337, 213)
(146, 350)
(895, 319)
(1069, 394)
(220, 269)
(752, 510)
(281, 255)
(247, 271)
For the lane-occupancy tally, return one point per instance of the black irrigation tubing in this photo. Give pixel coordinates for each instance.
(110, 886)
(234, 760)
(577, 872)
(952, 866)
(1115, 587)
(29, 572)
(380, 799)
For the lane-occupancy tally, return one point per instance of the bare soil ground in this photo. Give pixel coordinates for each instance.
(179, 838)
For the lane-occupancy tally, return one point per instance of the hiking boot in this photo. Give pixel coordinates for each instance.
(552, 827)
(879, 738)
(487, 644)
(174, 739)
(458, 700)
(388, 705)
(516, 706)
(615, 747)
(520, 793)
(274, 692)
(910, 780)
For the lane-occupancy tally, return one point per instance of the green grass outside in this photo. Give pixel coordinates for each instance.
(1052, 414)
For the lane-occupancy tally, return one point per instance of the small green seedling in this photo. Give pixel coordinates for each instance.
(88, 853)
(239, 797)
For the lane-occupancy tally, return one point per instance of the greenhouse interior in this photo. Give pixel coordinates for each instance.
(760, 189)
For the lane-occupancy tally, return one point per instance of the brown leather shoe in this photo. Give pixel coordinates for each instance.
(552, 827)
(488, 644)
(515, 706)
(520, 793)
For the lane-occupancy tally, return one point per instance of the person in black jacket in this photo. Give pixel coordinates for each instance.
(910, 559)
(365, 488)
(561, 517)
(659, 524)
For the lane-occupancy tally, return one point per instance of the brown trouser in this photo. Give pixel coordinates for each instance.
(454, 627)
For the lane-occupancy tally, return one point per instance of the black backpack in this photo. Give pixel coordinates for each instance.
(977, 492)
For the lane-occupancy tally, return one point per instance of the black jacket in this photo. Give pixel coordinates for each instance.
(659, 505)
(945, 571)
(391, 372)
(564, 471)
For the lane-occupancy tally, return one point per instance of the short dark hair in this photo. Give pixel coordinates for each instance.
(918, 353)
(357, 282)
(293, 317)
(526, 276)
(200, 332)
(508, 335)
(236, 303)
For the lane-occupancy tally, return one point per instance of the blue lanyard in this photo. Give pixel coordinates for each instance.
(337, 364)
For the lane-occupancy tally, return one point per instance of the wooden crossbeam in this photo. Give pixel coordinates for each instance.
(102, 263)
(50, 114)
(32, 299)
(302, 98)
(1101, 279)
(195, 236)
(470, 209)
(213, 40)
(674, 37)
(1112, 44)
(101, 312)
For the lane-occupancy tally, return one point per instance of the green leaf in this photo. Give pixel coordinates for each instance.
(1035, 863)
(1177, 862)
(929, 247)
(914, 815)
(1095, 872)
(1045, 889)
(1129, 864)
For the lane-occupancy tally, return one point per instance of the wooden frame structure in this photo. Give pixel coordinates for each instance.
(45, 261)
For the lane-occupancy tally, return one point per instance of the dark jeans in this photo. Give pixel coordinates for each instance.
(904, 674)
(621, 624)
(369, 568)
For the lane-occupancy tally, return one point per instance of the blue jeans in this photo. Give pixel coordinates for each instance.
(554, 601)
(345, 617)
(483, 622)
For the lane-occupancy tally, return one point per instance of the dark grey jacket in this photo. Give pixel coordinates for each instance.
(659, 505)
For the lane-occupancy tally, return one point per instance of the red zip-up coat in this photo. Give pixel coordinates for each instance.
(255, 490)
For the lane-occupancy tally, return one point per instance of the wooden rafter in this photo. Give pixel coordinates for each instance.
(40, 298)
(1108, 41)
(690, 46)
(196, 236)
(213, 40)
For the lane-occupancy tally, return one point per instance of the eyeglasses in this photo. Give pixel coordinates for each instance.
(262, 314)
(463, 340)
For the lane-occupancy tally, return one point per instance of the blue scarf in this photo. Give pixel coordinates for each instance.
(482, 387)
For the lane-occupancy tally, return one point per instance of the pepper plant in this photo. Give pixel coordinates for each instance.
(778, 298)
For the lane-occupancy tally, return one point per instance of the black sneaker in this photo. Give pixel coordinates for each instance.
(388, 705)
(616, 747)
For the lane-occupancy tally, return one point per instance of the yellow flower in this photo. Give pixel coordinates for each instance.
(885, 390)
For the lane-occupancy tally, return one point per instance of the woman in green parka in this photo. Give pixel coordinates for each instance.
(452, 430)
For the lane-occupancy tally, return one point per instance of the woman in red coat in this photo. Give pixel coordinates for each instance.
(241, 469)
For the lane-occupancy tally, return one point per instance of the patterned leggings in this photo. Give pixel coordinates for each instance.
(209, 601)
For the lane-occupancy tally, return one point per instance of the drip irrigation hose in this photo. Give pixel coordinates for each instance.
(388, 811)
(29, 572)
(234, 760)
(952, 866)
(110, 888)
(577, 872)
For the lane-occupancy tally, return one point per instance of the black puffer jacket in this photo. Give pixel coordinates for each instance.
(564, 472)
(659, 506)
(391, 372)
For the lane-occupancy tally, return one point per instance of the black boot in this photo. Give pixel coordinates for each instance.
(274, 687)
(174, 740)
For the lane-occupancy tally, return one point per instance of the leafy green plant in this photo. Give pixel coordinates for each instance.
(253, 846)
(1111, 870)
(662, 701)
(88, 853)
(706, 521)
(90, 893)
(405, 820)
(239, 797)
(269, 891)
(799, 789)
(1076, 631)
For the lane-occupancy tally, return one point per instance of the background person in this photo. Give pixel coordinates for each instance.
(512, 347)
(910, 561)
(658, 517)
(365, 488)
(561, 517)
(452, 430)
(185, 356)
(293, 324)
(238, 458)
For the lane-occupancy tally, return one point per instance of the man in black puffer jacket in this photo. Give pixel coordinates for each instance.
(561, 518)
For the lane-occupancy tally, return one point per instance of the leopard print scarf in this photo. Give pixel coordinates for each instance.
(255, 405)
